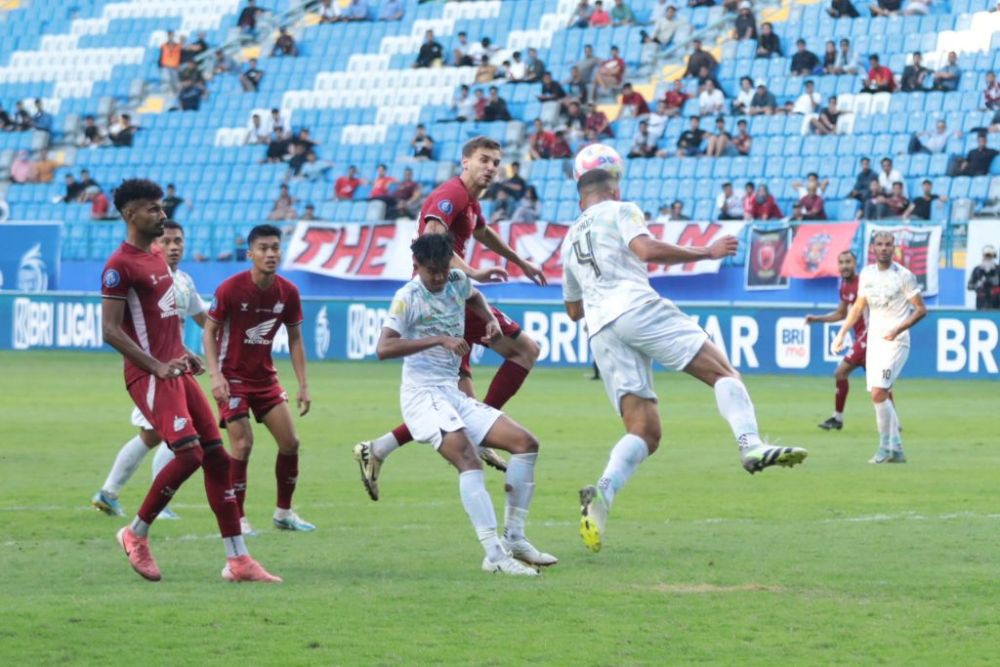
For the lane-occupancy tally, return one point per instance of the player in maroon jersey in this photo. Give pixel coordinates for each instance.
(141, 320)
(453, 208)
(246, 313)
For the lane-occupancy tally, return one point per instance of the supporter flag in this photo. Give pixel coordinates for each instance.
(918, 248)
(768, 247)
(815, 249)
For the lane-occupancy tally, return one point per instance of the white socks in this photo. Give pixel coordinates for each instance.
(737, 409)
(163, 456)
(383, 446)
(888, 426)
(479, 507)
(625, 458)
(839, 416)
(139, 527)
(235, 546)
(129, 457)
(520, 488)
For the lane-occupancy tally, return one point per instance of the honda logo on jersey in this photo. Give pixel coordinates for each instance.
(168, 304)
(258, 335)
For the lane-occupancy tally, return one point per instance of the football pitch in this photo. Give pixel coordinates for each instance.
(836, 561)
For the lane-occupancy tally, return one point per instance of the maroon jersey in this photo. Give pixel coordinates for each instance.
(451, 204)
(142, 280)
(849, 294)
(250, 317)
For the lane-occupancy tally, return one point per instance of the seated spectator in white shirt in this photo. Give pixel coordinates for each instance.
(888, 176)
(729, 204)
(809, 101)
(711, 101)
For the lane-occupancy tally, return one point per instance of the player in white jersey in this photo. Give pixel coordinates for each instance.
(426, 325)
(134, 451)
(892, 296)
(606, 280)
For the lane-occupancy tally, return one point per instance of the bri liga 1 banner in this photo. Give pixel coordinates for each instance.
(917, 248)
(381, 250)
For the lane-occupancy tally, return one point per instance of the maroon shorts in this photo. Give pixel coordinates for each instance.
(858, 353)
(475, 329)
(177, 408)
(244, 399)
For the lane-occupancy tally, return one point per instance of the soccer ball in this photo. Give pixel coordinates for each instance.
(598, 156)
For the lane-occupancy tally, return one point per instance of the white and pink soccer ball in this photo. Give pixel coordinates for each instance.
(598, 156)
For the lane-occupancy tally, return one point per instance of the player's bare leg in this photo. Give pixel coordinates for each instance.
(457, 449)
(840, 376)
(126, 463)
(890, 446)
(240, 444)
(508, 435)
(278, 421)
(642, 438)
(711, 367)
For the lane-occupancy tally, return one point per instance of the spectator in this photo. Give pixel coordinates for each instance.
(931, 142)
(100, 207)
(768, 43)
(329, 11)
(978, 161)
(73, 190)
(529, 209)
(611, 72)
(808, 102)
(22, 169)
(914, 75)
(122, 132)
(170, 62)
(310, 214)
(896, 202)
(431, 51)
(503, 206)
(575, 120)
(86, 182)
(826, 122)
(191, 52)
(861, 182)
(358, 11)
(633, 103)
(464, 105)
(587, 66)
(599, 18)
(284, 45)
(313, 169)
(576, 88)
(711, 101)
(880, 79)
(382, 186)
(811, 198)
(660, 9)
(946, 79)
(644, 143)
(991, 93)
(763, 206)
(90, 136)
(699, 59)
(517, 69)
(874, 202)
(888, 176)
(598, 122)
(675, 98)
(496, 107)
(804, 62)
(689, 143)
(171, 201)
(42, 120)
(540, 142)
(622, 14)
(744, 97)
(247, 20)
(250, 79)
(830, 58)
(391, 10)
(344, 187)
(729, 204)
(485, 72)
(222, 64)
(658, 120)
(720, 143)
(842, 9)
(846, 62)
(749, 199)
(256, 132)
(668, 26)
(22, 119)
(535, 67)
(985, 281)
(745, 25)
(515, 185)
(422, 144)
(742, 142)
(284, 206)
(192, 87)
(920, 207)
(6, 122)
(885, 8)
(560, 146)
(483, 48)
(408, 197)
(552, 91)
(581, 15)
(763, 102)
(677, 212)
(480, 105)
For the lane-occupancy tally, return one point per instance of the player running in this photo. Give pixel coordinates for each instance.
(134, 451)
(140, 319)
(248, 309)
(892, 296)
(453, 208)
(427, 325)
(605, 279)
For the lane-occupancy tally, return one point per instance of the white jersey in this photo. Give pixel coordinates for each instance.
(600, 268)
(418, 313)
(888, 294)
(186, 295)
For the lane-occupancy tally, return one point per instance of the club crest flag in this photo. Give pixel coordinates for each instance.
(815, 249)
(765, 257)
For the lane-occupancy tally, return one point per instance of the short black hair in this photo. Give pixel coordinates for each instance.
(432, 250)
(848, 252)
(173, 224)
(132, 189)
(595, 179)
(262, 231)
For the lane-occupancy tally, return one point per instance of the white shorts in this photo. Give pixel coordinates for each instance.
(140, 421)
(625, 349)
(884, 363)
(428, 411)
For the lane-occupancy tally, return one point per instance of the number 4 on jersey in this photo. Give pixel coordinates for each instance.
(586, 256)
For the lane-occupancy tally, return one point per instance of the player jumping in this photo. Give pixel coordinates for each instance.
(141, 320)
(134, 451)
(605, 255)
(892, 296)
(427, 325)
(248, 309)
(453, 208)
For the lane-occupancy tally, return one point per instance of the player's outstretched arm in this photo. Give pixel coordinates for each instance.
(220, 387)
(492, 240)
(853, 315)
(832, 316)
(298, 353)
(919, 311)
(477, 303)
(393, 346)
(112, 316)
(574, 309)
(652, 251)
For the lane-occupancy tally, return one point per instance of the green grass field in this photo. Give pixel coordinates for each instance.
(837, 561)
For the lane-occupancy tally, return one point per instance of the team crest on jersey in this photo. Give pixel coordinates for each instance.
(111, 278)
(258, 335)
(180, 423)
(278, 308)
(445, 206)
